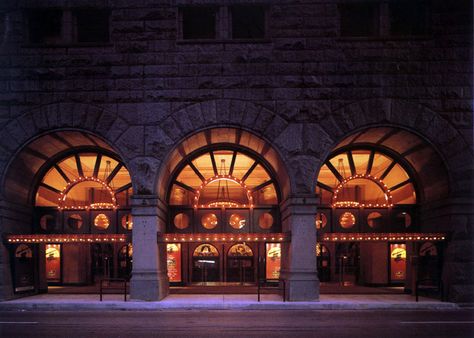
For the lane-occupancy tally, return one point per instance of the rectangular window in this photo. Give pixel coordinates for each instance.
(248, 22)
(408, 18)
(198, 22)
(359, 19)
(92, 25)
(45, 26)
(3, 27)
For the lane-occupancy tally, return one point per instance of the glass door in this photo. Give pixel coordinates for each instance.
(206, 264)
(240, 268)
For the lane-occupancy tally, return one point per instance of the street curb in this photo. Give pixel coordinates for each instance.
(163, 306)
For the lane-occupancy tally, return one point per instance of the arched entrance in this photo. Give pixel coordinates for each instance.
(227, 196)
(79, 192)
(369, 194)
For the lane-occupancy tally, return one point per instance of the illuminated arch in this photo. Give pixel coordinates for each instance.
(346, 204)
(240, 249)
(253, 181)
(98, 171)
(206, 250)
(389, 173)
(229, 204)
(99, 205)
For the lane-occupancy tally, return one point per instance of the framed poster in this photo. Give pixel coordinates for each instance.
(273, 261)
(398, 259)
(53, 263)
(173, 261)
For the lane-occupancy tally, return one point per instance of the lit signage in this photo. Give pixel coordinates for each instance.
(53, 262)
(398, 258)
(273, 260)
(173, 259)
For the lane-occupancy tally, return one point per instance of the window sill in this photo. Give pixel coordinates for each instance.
(221, 41)
(384, 38)
(67, 45)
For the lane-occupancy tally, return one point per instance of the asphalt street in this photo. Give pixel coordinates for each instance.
(232, 323)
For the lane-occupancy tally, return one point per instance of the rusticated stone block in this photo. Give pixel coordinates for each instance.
(461, 293)
(276, 126)
(105, 122)
(131, 142)
(119, 126)
(171, 128)
(157, 142)
(265, 117)
(188, 119)
(317, 142)
(209, 111)
(290, 140)
(26, 122)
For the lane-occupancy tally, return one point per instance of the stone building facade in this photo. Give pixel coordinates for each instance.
(140, 86)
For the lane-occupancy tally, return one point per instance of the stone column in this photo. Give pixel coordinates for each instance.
(299, 255)
(149, 279)
(455, 218)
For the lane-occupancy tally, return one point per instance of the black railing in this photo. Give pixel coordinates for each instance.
(281, 287)
(113, 284)
(429, 286)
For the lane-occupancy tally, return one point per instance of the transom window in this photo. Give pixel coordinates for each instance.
(364, 178)
(85, 180)
(225, 179)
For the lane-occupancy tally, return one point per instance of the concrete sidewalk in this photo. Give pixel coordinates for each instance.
(71, 302)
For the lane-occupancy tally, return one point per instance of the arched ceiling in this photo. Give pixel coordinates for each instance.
(23, 170)
(427, 167)
(230, 137)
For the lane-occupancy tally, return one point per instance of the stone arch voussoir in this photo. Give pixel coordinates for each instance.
(233, 113)
(60, 116)
(412, 116)
(257, 119)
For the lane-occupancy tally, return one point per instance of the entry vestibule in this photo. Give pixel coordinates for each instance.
(213, 263)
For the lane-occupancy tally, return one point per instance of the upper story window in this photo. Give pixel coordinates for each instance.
(408, 17)
(198, 22)
(92, 25)
(384, 19)
(248, 22)
(359, 19)
(45, 26)
(53, 26)
(240, 22)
